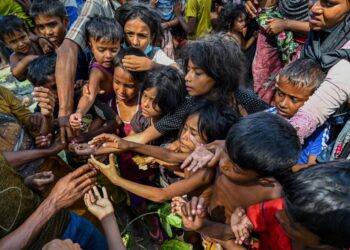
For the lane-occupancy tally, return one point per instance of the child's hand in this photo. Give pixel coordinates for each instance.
(46, 100)
(108, 170)
(250, 7)
(109, 141)
(176, 205)
(39, 181)
(177, 8)
(275, 26)
(137, 63)
(75, 121)
(240, 225)
(193, 214)
(43, 141)
(46, 45)
(98, 205)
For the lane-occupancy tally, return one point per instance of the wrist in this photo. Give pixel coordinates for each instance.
(286, 24)
(107, 218)
(50, 205)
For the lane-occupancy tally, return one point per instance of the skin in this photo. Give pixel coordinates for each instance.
(149, 110)
(325, 14)
(198, 83)
(137, 34)
(189, 26)
(52, 27)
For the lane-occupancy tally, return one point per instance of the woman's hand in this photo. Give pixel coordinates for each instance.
(109, 170)
(137, 63)
(98, 205)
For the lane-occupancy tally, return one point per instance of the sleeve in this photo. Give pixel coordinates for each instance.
(250, 101)
(192, 8)
(77, 31)
(172, 122)
(161, 58)
(320, 140)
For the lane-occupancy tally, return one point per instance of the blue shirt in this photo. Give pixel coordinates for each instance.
(314, 144)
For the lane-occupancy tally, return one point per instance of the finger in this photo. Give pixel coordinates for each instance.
(62, 135)
(110, 145)
(97, 193)
(215, 160)
(193, 164)
(200, 204)
(193, 203)
(69, 133)
(112, 159)
(184, 211)
(91, 196)
(41, 89)
(88, 176)
(188, 211)
(104, 193)
(187, 162)
(80, 171)
(87, 200)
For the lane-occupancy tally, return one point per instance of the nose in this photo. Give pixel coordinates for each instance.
(146, 103)
(188, 76)
(315, 7)
(284, 103)
(48, 32)
(109, 54)
(135, 42)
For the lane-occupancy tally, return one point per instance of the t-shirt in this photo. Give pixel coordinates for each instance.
(200, 9)
(263, 218)
(314, 144)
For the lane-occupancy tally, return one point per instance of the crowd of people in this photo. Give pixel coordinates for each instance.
(235, 112)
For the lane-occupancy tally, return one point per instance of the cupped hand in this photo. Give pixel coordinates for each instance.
(39, 181)
(98, 205)
(241, 225)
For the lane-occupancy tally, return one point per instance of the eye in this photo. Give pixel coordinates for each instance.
(294, 100)
(52, 25)
(101, 50)
(279, 92)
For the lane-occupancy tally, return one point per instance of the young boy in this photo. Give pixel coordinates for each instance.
(294, 85)
(312, 213)
(51, 22)
(14, 35)
(259, 146)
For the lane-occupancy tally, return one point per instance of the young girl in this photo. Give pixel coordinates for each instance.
(104, 37)
(142, 29)
(234, 20)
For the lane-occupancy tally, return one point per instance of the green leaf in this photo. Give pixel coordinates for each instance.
(175, 245)
(167, 219)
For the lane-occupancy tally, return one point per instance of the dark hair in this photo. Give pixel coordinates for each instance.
(304, 73)
(138, 76)
(265, 143)
(222, 60)
(132, 10)
(214, 119)
(47, 8)
(103, 28)
(9, 25)
(170, 85)
(41, 68)
(229, 14)
(318, 197)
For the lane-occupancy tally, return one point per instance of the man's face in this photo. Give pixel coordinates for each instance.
(52, 28)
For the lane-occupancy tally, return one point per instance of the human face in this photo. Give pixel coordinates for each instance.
(190, 137)
(52, 27)
(104, 51)
(240, 23)
(137, 34)
(149, 110)
(325, 14)
(19, 42)
(198, 83)
(289, 98)
(124, 85)
(233, 172)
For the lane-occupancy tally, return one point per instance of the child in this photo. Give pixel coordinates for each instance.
(14, 35)
(294, 85)
(259, 146)
(51, 21)
(303, 217)
(234, 20)
(104, 41)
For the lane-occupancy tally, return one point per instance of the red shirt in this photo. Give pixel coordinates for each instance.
(272, 235)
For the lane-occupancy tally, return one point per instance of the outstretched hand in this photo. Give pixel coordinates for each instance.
(109, 170)
(98, 205)
(39, 181)
(241, 225)
(193, 214)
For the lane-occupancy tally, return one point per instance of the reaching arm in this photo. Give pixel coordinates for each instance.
(297, 26)
(19, 67)
(150, 134)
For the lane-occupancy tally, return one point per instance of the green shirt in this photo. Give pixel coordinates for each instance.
(200, 9)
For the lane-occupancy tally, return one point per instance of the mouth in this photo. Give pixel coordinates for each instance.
(282, 112)
(122, 97)
(314, 21)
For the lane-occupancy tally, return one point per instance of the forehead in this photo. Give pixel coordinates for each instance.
(104, 43)
(122, 75)
(192, 121)
(152, 92)
(15, 35)
(42, 19)
(288, 88)
(136, 25)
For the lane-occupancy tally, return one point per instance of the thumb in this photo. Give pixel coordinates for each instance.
(111, 159)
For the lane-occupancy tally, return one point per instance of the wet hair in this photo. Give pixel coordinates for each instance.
(318, 197)
(47, 8)
(9, 25)
(138, 76)
(220, 58)
(214, 119)
(132, 10)
(265, 143)
(170, 85)
(229, 14)
(41, 68)
(105, 29)
(304, 73)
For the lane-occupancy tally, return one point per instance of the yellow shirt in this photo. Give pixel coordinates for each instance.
(200, 9)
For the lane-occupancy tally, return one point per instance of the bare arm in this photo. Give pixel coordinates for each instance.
(112, 233)
(19, 67)
(150, 134)
(190, 26)
(297, 26)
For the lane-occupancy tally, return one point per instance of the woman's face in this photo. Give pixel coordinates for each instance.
(189, 137)
(125, 87)
(198, 83)
(148, 109)
(325, 14)
(137, 34)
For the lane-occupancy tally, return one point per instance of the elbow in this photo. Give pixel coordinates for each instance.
(160, 197)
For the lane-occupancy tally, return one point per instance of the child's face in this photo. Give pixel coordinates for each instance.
(125, 87)
(51, 27)
(189, 137)
(240, 23)
(137, 34)
(104, 51)
(19, 42)
(325, 14)
(148, 109)
(198, 83)
(233, 172)
(289, 98)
